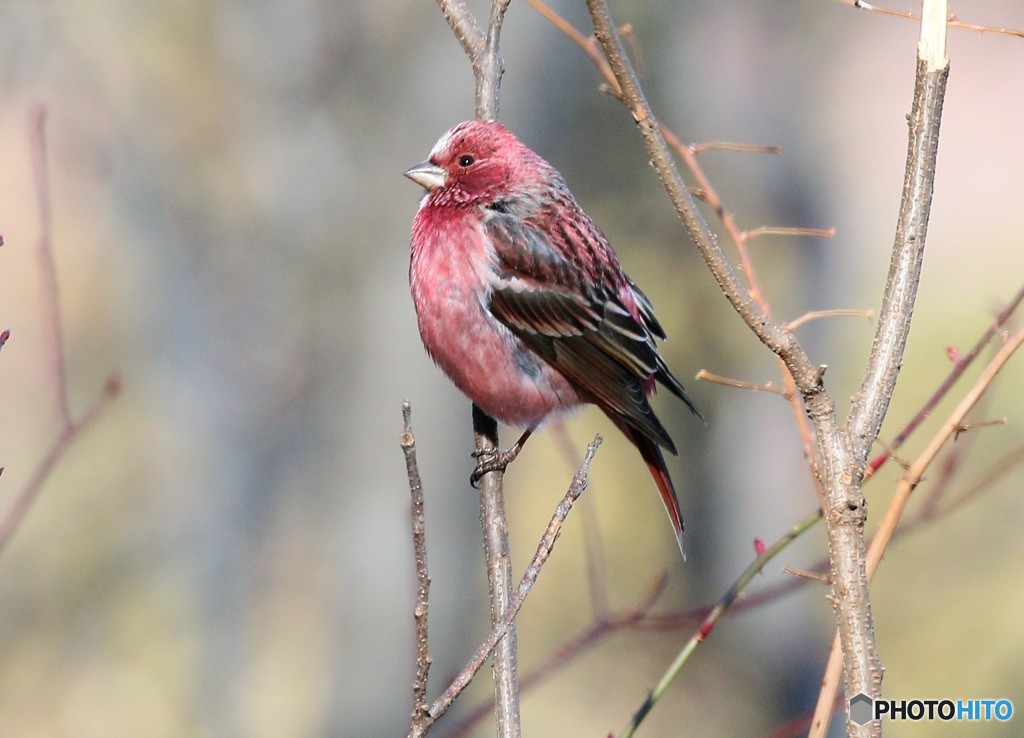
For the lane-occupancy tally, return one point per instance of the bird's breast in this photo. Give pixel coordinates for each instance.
(452, 274)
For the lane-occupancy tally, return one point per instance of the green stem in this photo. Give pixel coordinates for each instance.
(715, 615)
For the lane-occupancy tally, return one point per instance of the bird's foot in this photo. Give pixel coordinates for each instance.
(495, 459)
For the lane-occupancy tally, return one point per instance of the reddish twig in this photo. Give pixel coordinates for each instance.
(70, 428)
(959, 367)
(68, 435)
(47, 264)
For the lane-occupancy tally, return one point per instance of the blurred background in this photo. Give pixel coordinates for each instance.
(227, 551)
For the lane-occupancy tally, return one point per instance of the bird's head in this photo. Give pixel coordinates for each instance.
(476, 162)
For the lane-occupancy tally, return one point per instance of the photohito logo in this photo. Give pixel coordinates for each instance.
(863, 709)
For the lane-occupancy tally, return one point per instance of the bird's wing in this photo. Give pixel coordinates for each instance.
(570, 311)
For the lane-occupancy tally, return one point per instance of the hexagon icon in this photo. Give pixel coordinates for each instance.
(860, 709)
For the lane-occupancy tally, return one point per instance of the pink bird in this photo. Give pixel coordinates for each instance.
(522, 302)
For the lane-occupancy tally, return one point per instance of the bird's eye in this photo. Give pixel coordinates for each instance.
(465, 160)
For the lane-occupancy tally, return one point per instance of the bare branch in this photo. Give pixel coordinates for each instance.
(47, 265)
(490, 67)
(872, 400)
(789, 231)
(420, 710)
(498, 559)
(706, 376)
(68, 435)
(70, 428)
(815, 576)
(838, 313)
(482, 50)
(732, 146)
(466, 29)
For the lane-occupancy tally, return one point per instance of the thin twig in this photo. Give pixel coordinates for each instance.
(788, 231)
(763, 326)
(47, 264)
(593, 546)
(816, 576)
(503, 624)
(67, 436)
(1002, 466)
(702, 148)
(570, 651)
(951, 19)
(70, 428)
(837, 313)
(420, 710)
(639, 617)
(705, 376)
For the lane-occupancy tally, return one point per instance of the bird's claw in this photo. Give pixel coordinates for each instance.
(491, 459)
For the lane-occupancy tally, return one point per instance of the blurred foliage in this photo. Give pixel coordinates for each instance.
(227, 553)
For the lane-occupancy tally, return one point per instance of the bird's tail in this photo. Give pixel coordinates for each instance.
(652, 456)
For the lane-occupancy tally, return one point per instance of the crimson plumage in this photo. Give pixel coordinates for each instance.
(522, 302)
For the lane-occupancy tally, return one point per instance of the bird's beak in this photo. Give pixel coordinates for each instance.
(427, 175)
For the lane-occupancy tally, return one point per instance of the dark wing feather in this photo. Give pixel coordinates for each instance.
(568, 310)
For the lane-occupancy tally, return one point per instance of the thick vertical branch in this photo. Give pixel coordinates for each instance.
(861, 666)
